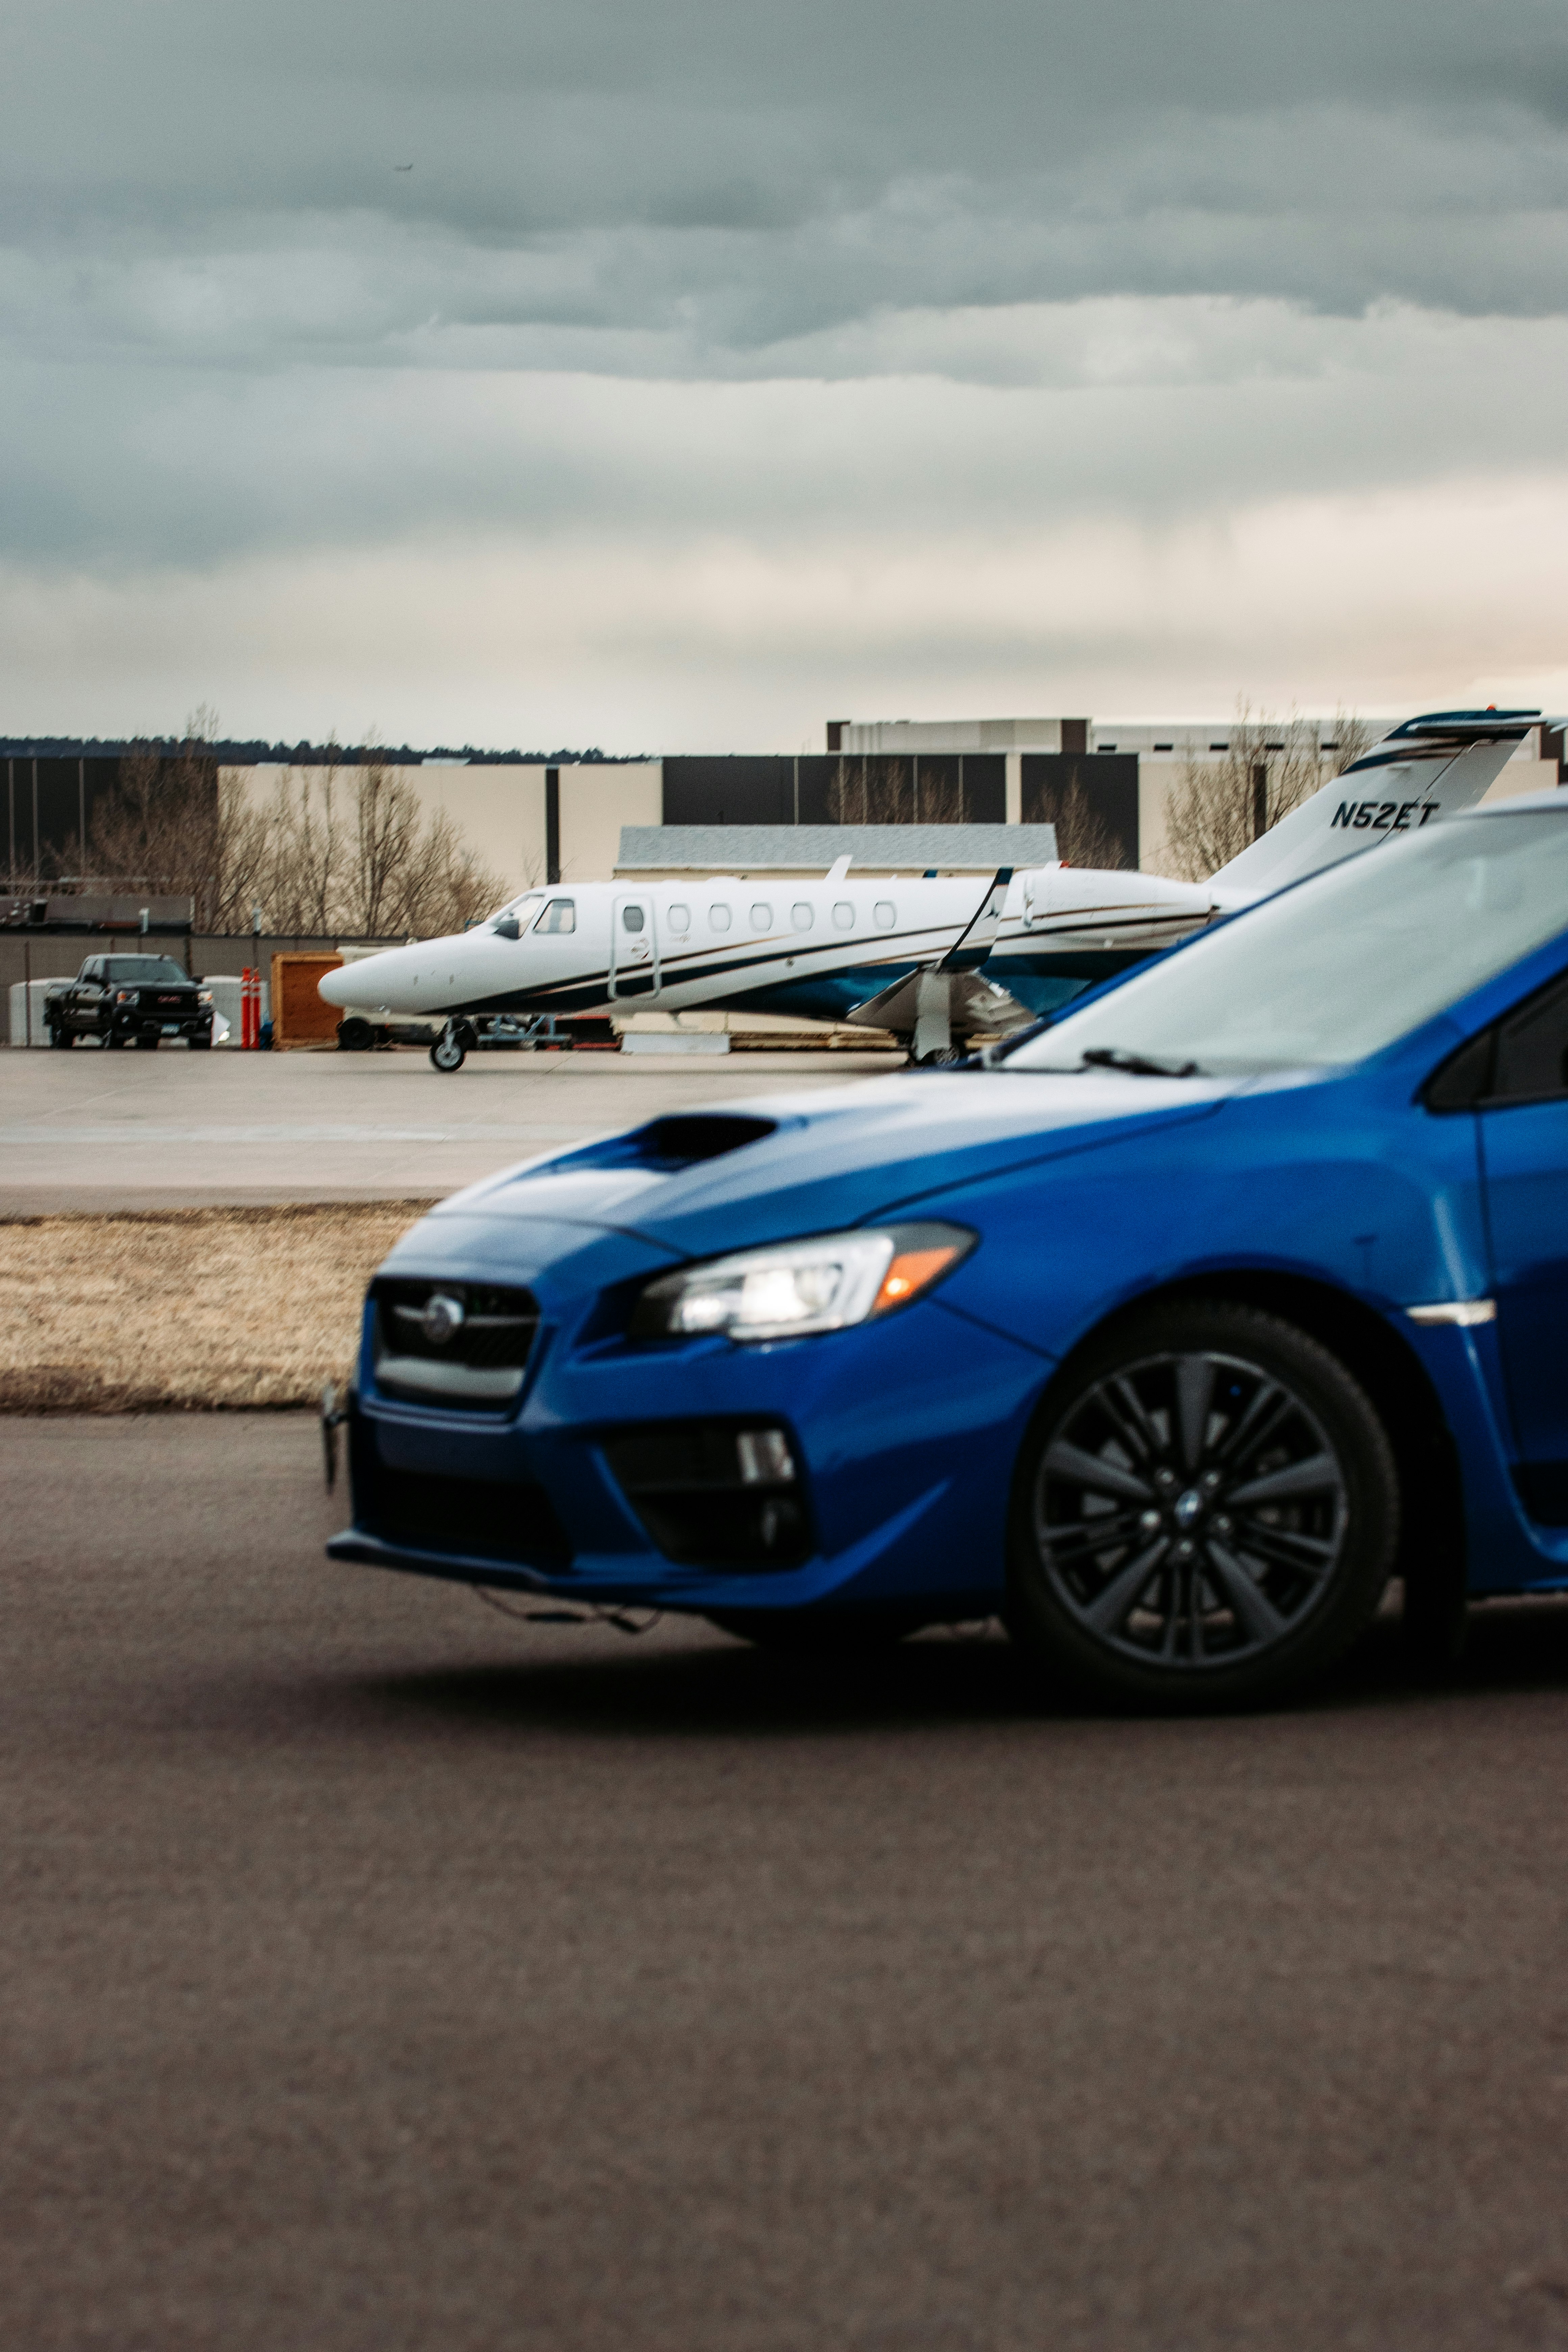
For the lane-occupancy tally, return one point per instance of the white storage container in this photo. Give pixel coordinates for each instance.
(29, 1026)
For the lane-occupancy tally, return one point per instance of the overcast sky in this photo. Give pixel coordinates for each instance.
(715, 371)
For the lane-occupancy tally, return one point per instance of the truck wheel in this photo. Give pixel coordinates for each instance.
(114, 1041)
(58, 1036)
(198, 1044)
(146, 1045)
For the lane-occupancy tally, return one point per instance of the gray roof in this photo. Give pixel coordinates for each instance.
(755, 848)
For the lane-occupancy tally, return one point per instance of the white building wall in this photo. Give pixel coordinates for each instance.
(499, 810)
(595, 802)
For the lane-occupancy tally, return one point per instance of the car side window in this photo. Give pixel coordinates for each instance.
(1533, 1050)
(800, 915)
(884, 914)
(761, 916)
(679, 919)
(1522, 1058)
(560, 914)
(719, 917)
(844, 916)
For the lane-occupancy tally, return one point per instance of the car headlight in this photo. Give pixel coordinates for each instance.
(799, 1288)
(204, 996)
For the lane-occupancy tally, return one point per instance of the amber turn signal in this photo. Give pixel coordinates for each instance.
(911, 1272)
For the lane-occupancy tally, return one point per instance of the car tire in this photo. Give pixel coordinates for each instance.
(199, 1045)
(146, 1045)
(1245, 1496)
(822, 1633)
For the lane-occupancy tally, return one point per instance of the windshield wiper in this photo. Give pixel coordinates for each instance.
(1137, 1065)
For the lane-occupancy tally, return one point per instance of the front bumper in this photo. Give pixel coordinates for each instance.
(132, 1020)
(905, 1432)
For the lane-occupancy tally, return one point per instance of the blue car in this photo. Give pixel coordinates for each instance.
(1171, 1334)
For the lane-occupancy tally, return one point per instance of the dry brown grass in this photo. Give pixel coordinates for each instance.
(186, 1311)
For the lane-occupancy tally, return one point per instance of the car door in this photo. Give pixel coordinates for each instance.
(1523, 1118)
(85, 995)
(633, 948)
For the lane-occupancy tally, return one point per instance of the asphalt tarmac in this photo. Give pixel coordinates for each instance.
(382, 1972)
(95, 1132)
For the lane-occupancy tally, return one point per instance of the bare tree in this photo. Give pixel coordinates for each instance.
(1084, 834)
(893, 791)
(1269, 767)
(383, 850)
(160, 828)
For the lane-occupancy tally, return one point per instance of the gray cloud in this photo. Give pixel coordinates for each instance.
(834, 289)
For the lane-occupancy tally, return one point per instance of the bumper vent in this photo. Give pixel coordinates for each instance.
(474, 1518)
(464, 1345)
(714, 1494)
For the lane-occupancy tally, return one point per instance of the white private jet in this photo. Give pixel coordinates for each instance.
(920, 958)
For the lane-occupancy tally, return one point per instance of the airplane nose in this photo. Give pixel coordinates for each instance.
(332, 988)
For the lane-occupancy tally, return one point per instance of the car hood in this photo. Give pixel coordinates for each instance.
(807, 1162)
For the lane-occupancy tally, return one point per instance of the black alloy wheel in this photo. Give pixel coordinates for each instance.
(1207, 1514)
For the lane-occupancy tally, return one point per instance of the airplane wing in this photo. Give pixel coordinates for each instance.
(1427, 769)
(973, 1004)
(954, 979)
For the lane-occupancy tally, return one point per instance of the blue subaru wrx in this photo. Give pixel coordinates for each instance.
(1171, 1333)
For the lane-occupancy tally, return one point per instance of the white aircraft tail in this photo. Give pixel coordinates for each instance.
(1429, 768)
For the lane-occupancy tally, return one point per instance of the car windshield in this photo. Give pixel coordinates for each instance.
(1338, 968)
(148, 970)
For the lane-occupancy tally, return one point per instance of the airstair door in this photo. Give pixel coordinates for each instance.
(634, 950)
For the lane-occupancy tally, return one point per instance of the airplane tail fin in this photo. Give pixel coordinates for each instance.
(1427, 769)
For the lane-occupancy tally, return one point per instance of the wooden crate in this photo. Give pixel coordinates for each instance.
(299, 1015)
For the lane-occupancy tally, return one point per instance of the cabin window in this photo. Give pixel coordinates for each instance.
(761, 916)
(884, 914)
(560, 914)
(844, 916)
(800, 915)
(718, 918)
(679, 919)
(632, 919)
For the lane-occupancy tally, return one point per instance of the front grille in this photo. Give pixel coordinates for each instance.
(476, 1519)
(461, 1344)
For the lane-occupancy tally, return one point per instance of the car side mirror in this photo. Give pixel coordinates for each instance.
(506, 929)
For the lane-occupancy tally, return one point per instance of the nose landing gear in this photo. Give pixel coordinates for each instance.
(450, 1050)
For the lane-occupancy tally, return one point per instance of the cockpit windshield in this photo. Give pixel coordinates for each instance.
(520, 909)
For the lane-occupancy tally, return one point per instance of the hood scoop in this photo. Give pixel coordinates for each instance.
(666, 1146)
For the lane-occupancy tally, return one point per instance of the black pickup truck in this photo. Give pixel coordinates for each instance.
(125, 999)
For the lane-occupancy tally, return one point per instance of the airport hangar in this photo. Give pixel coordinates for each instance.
(558, 819)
